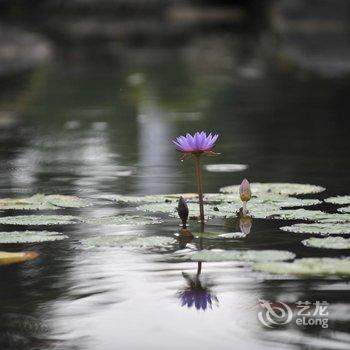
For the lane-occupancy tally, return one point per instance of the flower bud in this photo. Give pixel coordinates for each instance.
(244, 191)
(182, 210)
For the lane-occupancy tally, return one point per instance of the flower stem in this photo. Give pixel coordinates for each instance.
(199, 188)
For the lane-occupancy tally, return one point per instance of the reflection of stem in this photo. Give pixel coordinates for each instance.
(244, 208)
(199, 188)
(199, 268)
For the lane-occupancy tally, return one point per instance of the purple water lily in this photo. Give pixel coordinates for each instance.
(199, 143)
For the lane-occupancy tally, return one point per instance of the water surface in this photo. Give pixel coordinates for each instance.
(98, 121)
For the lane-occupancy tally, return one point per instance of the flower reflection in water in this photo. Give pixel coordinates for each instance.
(245, 223)
(197, 292)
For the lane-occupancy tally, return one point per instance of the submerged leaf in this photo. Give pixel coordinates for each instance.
(222, 168)
(319, 228)
(7, 258)
(338, 200)
(308, 267)
(129, 241)
(132, 220)
(276, 188)
(30, 237)
(39, 220)
(242, 255)
(328, 243)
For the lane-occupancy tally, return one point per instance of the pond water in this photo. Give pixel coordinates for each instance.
(99, 121)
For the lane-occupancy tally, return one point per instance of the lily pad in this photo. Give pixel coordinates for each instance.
(271, 199)
(157, 198)
(286, 189)
(308, 267)
(42, 202)
(132, 220)
(319, 228)
(344, 209)
(123, 241)
(338, 200)
(242, 255)
(65, 201)
(30, 237)
(39, 220)
(328, 243)
(225, 168)
(7, 258)
(311, 215)
(219, 235)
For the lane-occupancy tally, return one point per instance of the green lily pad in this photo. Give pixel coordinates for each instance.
(319, 228)
(311, 215)
(308, 267)
(242, 255)
(30, 237)
(344, 209)
(123, 241)
(286, 189)
(36, 202)
(225, 168)
(157, 198)
(65, 201)
(338, 200)
(170, 209)
(42, 202)
(278, 201)
(328, 243)
(132, 220)
(219, 235)
(39, 220)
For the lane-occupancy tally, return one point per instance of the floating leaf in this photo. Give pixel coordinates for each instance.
(219, 235)
(36, 202)
(278, 201)
(209, 210)
(319, 228)
(129, 241)
(65, 201)
(328, 243)
(276, 188)
(39, 220)
(232, 235)
(307, 267)
(157, 198)
(242, 255)
(30, 237)
(344, 209)
(7, 258)
(223, 168)
(312, 215)
(338, 200)
(132, 220)
(42, 202)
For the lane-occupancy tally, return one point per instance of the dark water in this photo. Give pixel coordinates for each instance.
(98, 121)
